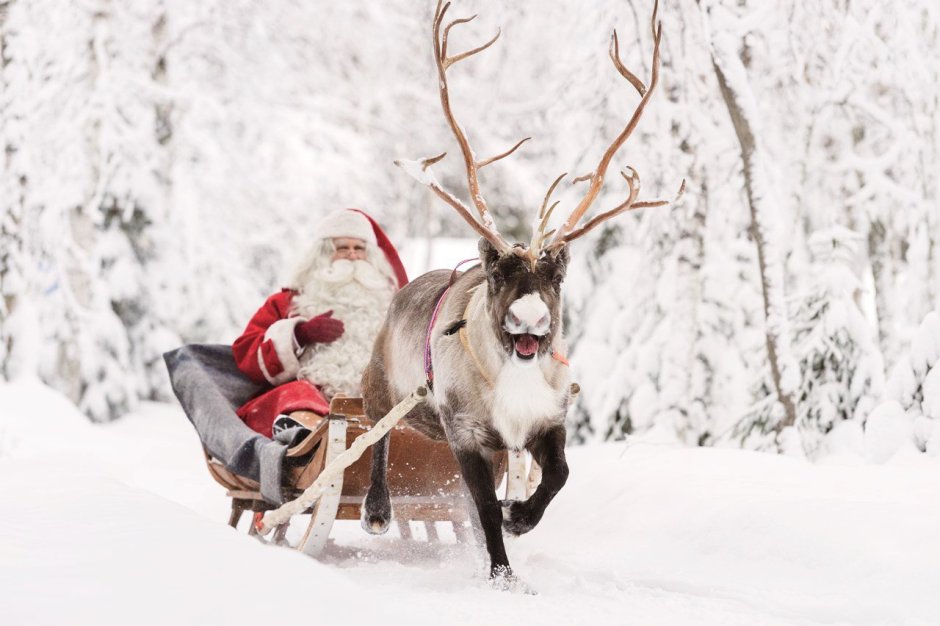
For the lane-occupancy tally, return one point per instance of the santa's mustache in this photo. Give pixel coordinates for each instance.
(344, 271)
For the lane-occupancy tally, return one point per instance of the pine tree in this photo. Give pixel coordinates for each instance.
(92, 132)
(841, 370)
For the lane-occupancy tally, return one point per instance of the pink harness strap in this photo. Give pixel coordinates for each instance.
(428, 366)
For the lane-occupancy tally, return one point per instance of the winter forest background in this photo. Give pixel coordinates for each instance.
(164, 163)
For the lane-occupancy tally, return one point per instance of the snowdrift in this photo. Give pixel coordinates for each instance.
(122, 524)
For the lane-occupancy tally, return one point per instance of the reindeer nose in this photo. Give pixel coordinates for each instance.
(528, 315)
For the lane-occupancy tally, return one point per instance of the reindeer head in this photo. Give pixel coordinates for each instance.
(524, 297)
(524, 281)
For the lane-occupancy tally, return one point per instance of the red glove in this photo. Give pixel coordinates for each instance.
(320, 329)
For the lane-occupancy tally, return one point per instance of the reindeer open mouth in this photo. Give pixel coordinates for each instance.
(525, 345)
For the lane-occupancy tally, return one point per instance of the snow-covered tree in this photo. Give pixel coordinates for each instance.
(81, 86)
(194, 145)
(726, 42)
(11, 215)
(654, 311)
(909, 417)
(862, 104)
(841, 369)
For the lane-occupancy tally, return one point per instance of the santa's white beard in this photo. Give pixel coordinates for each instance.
(359, 296)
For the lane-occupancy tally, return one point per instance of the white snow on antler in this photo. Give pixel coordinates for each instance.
(417, 170)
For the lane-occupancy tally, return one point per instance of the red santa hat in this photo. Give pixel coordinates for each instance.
(358, 224)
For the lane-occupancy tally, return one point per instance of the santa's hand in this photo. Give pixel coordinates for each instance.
(320, 329)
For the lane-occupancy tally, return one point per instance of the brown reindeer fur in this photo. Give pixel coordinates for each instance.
(473, 415)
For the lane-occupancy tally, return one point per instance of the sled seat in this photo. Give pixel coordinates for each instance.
(423, 478)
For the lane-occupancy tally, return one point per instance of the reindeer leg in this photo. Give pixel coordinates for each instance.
(548, 450)
(376, 513)
(377, 507)
(477, 473)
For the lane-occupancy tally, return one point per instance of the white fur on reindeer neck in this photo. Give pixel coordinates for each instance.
(522, 396)
(358, 294)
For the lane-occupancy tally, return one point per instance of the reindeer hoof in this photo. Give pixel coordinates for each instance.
(517, 518)
(376, 515)
(502, 579)
(375, 526)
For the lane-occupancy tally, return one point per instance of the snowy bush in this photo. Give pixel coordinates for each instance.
(910, 416)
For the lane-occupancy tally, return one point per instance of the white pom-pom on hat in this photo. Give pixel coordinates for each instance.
(346, 223)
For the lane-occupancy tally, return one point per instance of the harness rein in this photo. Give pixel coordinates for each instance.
(428, 365)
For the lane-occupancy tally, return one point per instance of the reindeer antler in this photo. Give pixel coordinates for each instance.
(567, 232)
(485, 225)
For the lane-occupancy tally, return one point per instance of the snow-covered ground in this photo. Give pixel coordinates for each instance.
(122, 524)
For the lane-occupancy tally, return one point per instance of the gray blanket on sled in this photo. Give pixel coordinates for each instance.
(210, 387)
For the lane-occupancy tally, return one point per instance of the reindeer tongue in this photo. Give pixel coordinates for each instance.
(526, 345)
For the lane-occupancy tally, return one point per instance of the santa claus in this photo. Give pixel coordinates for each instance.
(313, 339)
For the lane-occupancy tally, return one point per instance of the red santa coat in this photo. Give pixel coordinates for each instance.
(266, 352)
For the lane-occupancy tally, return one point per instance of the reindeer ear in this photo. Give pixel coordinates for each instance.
(561, 256)
(553, 266)
(488, 254)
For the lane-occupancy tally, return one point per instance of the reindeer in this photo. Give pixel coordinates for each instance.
(490, 342)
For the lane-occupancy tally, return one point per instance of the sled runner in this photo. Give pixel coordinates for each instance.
(423, 476)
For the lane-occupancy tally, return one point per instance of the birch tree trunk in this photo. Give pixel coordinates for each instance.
(738, 99)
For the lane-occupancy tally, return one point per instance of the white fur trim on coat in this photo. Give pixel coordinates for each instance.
(281, 334)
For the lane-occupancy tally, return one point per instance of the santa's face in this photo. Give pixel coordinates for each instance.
(349, 248)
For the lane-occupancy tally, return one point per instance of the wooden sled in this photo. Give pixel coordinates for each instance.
(423, 479)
